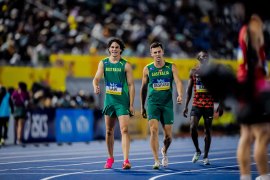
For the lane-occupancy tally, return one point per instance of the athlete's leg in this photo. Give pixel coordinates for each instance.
(262, 137)
(153, 123)
(167, 130)
(15, 130)
(167, 120)
(19, 129)
(243, 150)
(194, 133)
(1, 127)
(207, 133)
(110, 123)
(123, 122)
(6, 127)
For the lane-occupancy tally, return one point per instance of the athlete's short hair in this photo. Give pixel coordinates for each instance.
(199, 55)
(155, 45)
(118, 41)
(22, 86)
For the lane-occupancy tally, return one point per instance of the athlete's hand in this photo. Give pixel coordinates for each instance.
(179, 99)
(143, 113)
(220, 110)
(185, 111)
(96, 89)
(131, 111)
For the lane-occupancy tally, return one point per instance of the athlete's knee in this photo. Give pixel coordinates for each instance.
(109, 131)
(154, 130)
(124, 130)
(246, 135)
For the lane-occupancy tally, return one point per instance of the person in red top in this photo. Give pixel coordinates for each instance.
(251, 74)
(258, 48)
(203, 105)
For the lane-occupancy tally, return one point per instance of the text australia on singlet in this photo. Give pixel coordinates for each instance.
(160, 84)
(112, 87)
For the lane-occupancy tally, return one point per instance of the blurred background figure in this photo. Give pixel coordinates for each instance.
(20, 99)
(6, 109)
(251, 90)
(253, 116)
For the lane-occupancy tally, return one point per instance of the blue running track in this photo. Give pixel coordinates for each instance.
(81, 161)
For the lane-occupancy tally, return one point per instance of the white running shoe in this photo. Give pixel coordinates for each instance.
(165, 160)
(263, 177)
(206, 161)
(156, 165)
(196, 157)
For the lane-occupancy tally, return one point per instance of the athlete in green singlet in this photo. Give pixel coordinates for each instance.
(158, 80)
(119, 97)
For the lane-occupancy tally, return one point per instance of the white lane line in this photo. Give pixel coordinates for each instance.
(60, 152)
(55, 154)
(83, 157)
(68, 158)
(46, 150)
(81, 147)
(97, 162)
(101, 170)
(89, 151)
(25, 173)
(196, 170)
(61, 169)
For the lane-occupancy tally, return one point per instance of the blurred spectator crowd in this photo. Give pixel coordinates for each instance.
(41, 96)
(31, 30)
(17, 102)
(44, 97)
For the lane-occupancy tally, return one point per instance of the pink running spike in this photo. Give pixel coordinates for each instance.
(126, 164)
(109, 163)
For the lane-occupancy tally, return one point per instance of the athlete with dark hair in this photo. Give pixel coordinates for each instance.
(157, 82)
(202, 106)
(119, 98)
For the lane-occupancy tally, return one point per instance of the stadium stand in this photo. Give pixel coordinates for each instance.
(31, 30)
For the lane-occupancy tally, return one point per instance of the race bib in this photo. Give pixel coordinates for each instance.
(114, 88)
(161, 84)
(199, 86)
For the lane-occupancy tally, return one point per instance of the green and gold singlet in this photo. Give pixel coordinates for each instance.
(160, 85)
(116, 86)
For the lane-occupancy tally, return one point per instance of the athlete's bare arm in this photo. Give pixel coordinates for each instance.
(188, 93)
(98, 76)
(131, 87)
(143, 92)
(256, 34)
(178, 83)
(220, 108)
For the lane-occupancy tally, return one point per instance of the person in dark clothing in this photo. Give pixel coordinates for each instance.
(255, 123)
(202, 106)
